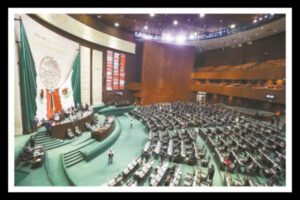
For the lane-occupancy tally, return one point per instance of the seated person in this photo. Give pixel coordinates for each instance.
(87, 107)
(78, 106)
(88, 126)
(71, 116)
(274, 180)
(70, 133)
(56, 117)
(250, 169)
(227, 162)
(27, 154)
(77, 131)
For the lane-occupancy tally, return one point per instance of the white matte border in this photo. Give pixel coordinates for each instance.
(287, 11)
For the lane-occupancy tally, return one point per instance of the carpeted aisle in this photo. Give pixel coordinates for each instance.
(126, 148)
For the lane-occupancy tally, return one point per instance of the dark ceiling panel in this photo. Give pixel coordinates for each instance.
(164, 22)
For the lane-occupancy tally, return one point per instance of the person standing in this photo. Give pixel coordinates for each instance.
(142, 156)
(148, 155)
(211, 172)
(32, 141)
(131, 123)
(277, 120)
(35, 123)
(110, 156)
(48, 127)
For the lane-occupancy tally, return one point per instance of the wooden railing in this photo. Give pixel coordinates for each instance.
(255, 74)
(250, 93)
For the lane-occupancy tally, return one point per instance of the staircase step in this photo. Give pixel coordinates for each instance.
(71, 158)
(70, 164)
(81, 146)
(49, 142)
(54, 146)
(70, 155)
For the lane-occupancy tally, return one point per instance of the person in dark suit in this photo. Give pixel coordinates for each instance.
(275, 179)
(32, 141)
(35, 123)
(211, 172)
(48, 127)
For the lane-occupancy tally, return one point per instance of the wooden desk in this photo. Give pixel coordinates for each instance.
(60, 130)
(102, 133)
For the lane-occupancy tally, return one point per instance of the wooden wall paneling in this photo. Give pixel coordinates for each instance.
(166, 72)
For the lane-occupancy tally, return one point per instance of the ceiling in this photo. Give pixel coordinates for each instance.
(194, 23)
(160, 23)
(241, 38)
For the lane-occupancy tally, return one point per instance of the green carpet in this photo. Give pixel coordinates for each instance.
(126, 148)
(97, 171)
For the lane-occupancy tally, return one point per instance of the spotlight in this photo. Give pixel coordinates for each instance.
(201, 15)
(152, 14)
(254, 21)
(146, 27)
(260, 18)
(180, 39)
(169, 38)
(116, 24)
(192, 36)
(175, 22)
(232, 26)
(99, 16)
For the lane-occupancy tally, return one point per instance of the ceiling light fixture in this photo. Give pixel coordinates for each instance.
(152, 14)
(175, 22)
(116, 24)
(201, 15)
(146, 27)
(232, 26)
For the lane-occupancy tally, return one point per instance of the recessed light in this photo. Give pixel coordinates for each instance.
(116, 24)
(254, 21)
(146, 27)
(99, 16)
(175, 22)
(201, 15)
(152, 14)
(232, 26)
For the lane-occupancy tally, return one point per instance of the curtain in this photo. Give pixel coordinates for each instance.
(28, 82)
(56, 100)
(49, 104)
(53, 102)
(76, 80)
